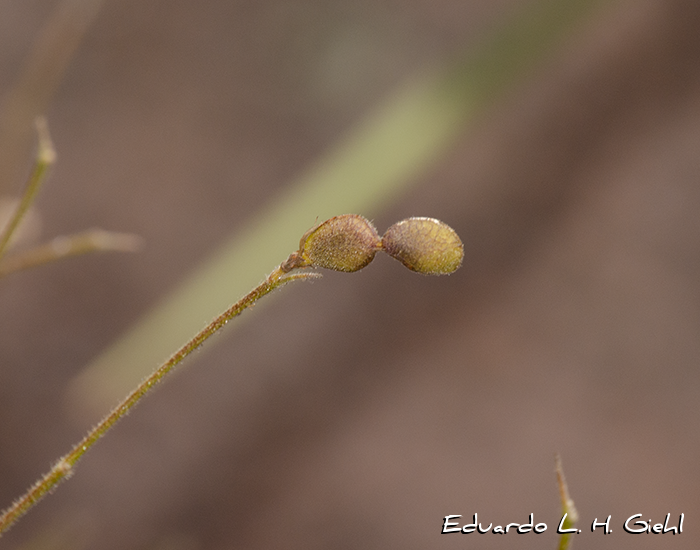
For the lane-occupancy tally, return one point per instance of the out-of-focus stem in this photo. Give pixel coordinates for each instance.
(38, 80)
(567, 506)
(45, 157)
(94, 240)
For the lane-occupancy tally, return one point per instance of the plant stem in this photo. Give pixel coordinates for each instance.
(45, 157)
(567, 506)
(63, 468)
(94, 240)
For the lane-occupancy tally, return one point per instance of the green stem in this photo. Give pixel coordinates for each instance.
(45, 157)
(63, 468)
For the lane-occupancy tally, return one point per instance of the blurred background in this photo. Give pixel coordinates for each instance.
(560, 139)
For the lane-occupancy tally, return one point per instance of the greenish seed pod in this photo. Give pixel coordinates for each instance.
(343, 243)
(425, 245)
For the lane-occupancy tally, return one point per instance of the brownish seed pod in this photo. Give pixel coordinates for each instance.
(343, 243)
(425, 245)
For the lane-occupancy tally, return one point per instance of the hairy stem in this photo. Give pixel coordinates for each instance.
(63, 468)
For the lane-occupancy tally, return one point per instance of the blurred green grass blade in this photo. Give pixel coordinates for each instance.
(370, 167)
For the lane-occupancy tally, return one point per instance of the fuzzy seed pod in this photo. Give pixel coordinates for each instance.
(343, 243)
(424, 245)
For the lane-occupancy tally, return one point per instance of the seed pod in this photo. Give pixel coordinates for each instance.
(425, 245)
(343, 243)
